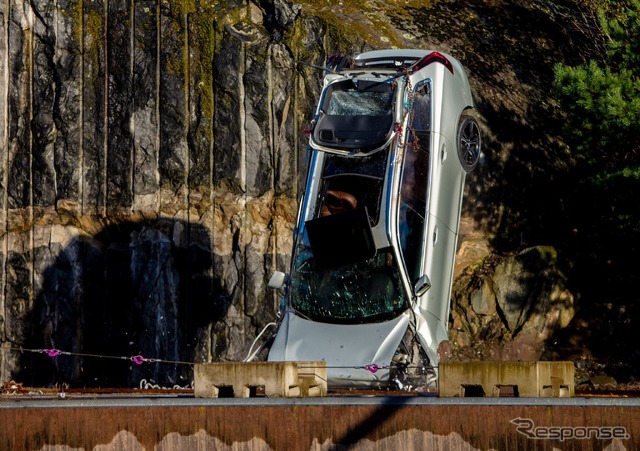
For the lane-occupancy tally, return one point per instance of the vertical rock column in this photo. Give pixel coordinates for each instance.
(93, 163)
(146, 105)
(67, 66)
(119, 67)
(16, 166)
(4, 152)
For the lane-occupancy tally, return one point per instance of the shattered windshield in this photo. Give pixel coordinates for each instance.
(353, 102)
(359, 97)
(364, 292)
(355, 114)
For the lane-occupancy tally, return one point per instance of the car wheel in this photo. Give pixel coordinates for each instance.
(469, 142)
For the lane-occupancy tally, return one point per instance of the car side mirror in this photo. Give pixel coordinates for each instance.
(422, 285)
(277, 280)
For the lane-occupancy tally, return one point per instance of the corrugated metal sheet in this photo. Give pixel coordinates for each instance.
(407, 423)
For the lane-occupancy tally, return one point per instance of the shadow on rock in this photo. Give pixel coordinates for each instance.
(134, 289)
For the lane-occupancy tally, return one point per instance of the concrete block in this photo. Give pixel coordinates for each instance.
(506, 379)
(278, 379)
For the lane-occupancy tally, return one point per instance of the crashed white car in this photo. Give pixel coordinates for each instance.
(369, 287)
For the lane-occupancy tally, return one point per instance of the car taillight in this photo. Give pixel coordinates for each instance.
(433, 57)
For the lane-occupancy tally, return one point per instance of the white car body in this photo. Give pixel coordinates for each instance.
(377, 230)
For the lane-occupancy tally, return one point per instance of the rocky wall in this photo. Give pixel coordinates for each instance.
(506, 307)
(151, 158)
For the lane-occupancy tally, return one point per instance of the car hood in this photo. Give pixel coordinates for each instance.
(356, 354)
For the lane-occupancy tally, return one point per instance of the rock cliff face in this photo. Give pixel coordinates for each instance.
(151, 158)
(152, 155)
(505, 308)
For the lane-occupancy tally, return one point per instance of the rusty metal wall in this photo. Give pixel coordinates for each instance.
(387, 423)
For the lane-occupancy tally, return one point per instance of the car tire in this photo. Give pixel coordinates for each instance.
(469, 142)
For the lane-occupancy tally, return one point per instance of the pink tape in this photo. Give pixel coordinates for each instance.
(137, 359)
(373, 368)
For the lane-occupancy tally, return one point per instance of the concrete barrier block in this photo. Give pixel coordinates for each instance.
(506, 379)
(277, 379)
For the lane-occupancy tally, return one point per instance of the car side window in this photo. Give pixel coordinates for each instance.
(414, 183)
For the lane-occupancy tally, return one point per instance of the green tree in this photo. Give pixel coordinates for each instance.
(600, 104)
(601, 99)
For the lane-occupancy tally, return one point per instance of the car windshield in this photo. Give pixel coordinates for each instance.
(355, 97)
(353, 102)
(365, 292)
